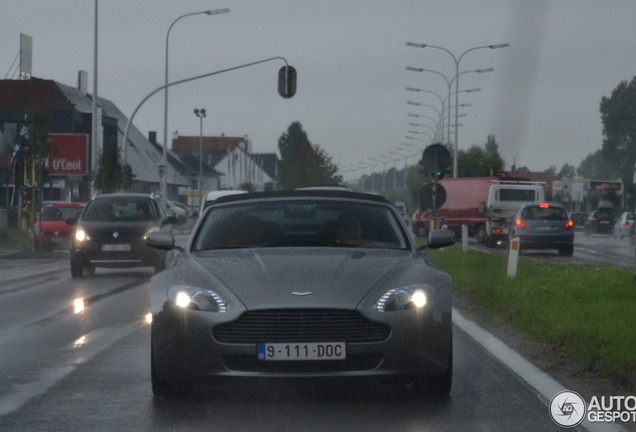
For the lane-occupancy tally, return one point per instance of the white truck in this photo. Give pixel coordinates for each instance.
(505, 198)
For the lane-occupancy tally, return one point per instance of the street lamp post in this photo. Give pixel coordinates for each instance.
(449, 83)
(164, 177)
(394, 168)
(200, 113)
(440, 116)
(457, 60)
(410, 153)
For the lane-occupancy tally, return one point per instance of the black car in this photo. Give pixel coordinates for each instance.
(579, 220)
(111, 232)
(600, 221)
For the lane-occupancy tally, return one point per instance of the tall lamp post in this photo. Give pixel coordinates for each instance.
(449, 83)
(457, 60)
(164, 177)
(201, 114)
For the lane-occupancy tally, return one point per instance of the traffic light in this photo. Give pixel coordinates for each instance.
(436, 160)
(438, 174)
(287, 82)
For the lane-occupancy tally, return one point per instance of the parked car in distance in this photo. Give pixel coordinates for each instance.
(302, 284)
(402, 209)
(544, 226)
(623, 226)
(182, 215)
(52, 230)
(111, 232)
(600, 221)
(579, 220)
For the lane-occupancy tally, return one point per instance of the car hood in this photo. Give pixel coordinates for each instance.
(53, 226)
(315, 277)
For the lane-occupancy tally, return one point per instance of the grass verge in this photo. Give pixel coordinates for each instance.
(589, 310)
(13, 239)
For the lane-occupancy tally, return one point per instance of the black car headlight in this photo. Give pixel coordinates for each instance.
(409, 297)
(80, 235)
(189, 297)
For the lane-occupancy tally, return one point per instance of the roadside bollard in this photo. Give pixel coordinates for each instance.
(513, 258)
(465, 238)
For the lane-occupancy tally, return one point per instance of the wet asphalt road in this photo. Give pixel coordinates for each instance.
(85, 366)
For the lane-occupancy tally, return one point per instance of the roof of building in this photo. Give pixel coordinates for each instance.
(32, 94)
(269, 163)
(209, 144)
(142, 156)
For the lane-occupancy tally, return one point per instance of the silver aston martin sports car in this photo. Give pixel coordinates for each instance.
(307, 283)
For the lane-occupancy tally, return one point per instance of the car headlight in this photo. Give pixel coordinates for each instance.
(80, 235)
(409, 297)
(197, 298)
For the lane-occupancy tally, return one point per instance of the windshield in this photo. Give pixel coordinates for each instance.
(520, 195)
(121, 210)
(60, 213)
(551, 213)
(305, 223)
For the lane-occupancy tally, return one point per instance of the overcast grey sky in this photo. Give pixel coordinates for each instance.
(541, 102)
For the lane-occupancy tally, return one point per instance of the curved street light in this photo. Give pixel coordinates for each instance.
(440, 116)
(410, 152)
(164, 177)
(457, 60)
(174, 83)
(449, 83)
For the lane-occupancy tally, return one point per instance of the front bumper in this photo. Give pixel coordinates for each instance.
(90, 254)
(185, 345)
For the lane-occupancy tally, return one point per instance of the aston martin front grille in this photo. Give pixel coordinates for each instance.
(302, 325)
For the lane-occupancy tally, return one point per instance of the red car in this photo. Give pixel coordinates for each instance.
(51, 230)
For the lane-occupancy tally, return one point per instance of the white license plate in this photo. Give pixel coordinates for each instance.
(604, 222)
(116, 247)
(545, 228)
(302, 351)
(58, 240)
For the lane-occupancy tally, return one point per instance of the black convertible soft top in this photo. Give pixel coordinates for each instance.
(309, 193)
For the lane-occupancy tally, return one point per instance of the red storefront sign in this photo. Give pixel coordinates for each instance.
(69, 155)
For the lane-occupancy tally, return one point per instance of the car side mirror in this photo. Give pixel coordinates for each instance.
(482, 207)
(160, 240)
(439, 239)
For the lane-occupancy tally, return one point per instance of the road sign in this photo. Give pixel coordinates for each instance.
(436, 157)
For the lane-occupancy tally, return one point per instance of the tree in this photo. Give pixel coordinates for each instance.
(415, 179)
(304, 164)
(618, 114)
(480, 162)
(111, 175)
(247, 186)
(567, 171)
(552, 171)
(594, 167)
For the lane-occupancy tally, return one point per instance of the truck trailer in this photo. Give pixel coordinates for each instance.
(486, 205)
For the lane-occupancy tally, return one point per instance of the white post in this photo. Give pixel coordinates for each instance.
(465, 238)
(513, 258)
